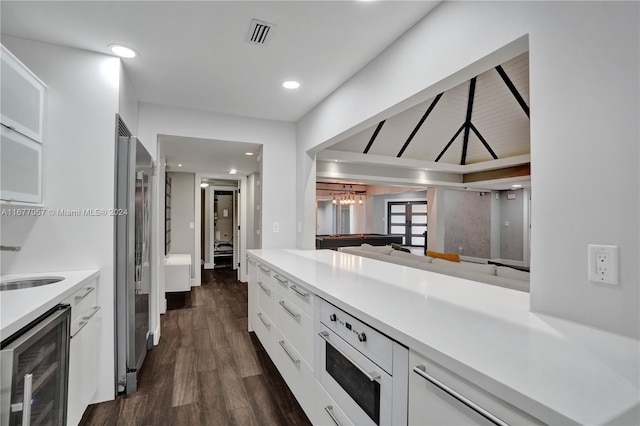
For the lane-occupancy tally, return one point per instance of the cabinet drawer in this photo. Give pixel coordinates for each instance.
(296, 325)
(295, 371)
(82, 300)
(300, 296)
(83, 368)
(263, 272)
(265, 296)
(264, 329)
(326, 411)
(431, 387)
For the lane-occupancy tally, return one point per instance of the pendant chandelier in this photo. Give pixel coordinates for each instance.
(348, 196)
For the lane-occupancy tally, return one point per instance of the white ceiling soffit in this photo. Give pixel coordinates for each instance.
(193, 54)
(496, 114)
(206, 155)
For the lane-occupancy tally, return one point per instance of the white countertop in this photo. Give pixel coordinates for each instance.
(19, 307)
(559, 371)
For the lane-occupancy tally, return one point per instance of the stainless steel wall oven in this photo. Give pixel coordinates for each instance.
(363, 370)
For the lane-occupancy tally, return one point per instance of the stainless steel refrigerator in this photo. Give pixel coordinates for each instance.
(133, 283)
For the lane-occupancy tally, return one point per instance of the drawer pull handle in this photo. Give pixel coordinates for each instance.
(371, 376)
(265, 289)
(295, 315)
(421, 371)
(263, 269)
(300, 293)
(266, 324)
(85, 294)
(94, 311)
(293, 359)
(82, 324)
(281, 280)
(329, 410)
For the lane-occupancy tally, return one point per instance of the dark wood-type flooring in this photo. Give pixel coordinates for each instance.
(207, 369)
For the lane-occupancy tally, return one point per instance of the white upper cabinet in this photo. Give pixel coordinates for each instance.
(21, 97)
(21, 168)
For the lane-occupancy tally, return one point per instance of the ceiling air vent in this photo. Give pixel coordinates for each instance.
(260, 32)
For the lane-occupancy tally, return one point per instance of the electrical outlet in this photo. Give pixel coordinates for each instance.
(603, 264)
(276, 226)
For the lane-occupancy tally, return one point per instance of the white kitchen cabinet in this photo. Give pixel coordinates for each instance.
(22, 97)
(439, 397)
(284, 328)
(295, 371)
(252, 276)
(84, 352)
(21, 168)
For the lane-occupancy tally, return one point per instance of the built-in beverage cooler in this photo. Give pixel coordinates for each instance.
(34, 365)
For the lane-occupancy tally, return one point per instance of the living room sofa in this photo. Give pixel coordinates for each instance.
(502, 276)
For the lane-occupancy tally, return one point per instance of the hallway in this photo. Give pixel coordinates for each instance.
(207, 369)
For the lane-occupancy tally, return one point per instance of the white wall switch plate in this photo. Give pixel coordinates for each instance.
(192, 225)
(604, 264)
(276, 226)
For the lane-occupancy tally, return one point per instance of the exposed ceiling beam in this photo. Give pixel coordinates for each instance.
(422, 120)
(484, 142)
(513, 89)
(446, 147)
(467, 123)
(374, 136)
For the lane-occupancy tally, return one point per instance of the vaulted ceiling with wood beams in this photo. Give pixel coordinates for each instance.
(482, 123)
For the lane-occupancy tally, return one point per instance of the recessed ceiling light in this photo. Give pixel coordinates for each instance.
(179, 165)
(290, 84)
(516, 185)
(204, 185)
(248, 153)
(233, 171)
(123, 51)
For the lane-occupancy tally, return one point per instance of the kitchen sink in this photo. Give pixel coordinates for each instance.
(22, 283)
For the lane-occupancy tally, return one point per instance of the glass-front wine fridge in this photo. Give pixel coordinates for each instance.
(35, 365)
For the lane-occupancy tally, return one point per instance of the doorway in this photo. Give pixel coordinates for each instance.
(219, 230)
(408, 219)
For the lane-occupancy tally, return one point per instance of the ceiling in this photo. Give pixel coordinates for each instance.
(431, 135)
(216, 156)
(193, 54)
(496, 114)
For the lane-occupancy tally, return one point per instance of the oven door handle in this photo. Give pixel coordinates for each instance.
(421, 371)
(372, 376)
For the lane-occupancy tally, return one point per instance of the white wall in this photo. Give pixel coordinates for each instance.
(79, 173)
(278, 156)
(584, 91)
(182, 214)
(128, 102)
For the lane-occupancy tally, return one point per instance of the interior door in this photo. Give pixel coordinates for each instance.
(409, 220)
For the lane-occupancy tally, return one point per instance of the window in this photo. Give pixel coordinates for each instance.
(409, 220)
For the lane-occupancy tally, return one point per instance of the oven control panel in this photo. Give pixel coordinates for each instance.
(369, 341)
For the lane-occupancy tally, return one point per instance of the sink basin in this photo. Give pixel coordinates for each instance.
(22, 283)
